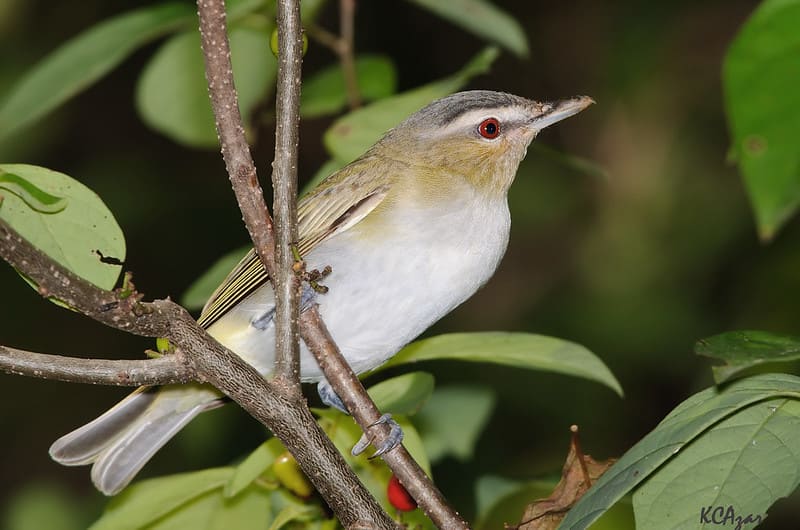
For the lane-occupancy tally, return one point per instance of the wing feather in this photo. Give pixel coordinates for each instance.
(331, 208)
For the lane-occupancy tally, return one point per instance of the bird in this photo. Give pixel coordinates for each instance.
(406, 233)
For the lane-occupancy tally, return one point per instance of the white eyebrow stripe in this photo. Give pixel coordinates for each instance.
(473, 118)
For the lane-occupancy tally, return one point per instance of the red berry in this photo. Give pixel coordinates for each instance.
(399, 497)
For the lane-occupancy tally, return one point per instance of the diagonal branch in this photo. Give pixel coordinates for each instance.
(231, 133)
(286, 416)
(235, 150)
(242, 173)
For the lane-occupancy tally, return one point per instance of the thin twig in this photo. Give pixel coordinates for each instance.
(351, 502)
(343, 45)
(284, 184)
(164, 370)
(347, 12)
(328, 356)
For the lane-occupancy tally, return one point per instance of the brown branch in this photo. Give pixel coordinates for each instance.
(284, 185)
(164, 370)
(352, 393)
(343, 46)
(349, 499)
(336, 369)
(347, 12)
(287, 417)
(235, 151)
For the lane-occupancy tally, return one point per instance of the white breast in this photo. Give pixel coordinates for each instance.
(384, 292)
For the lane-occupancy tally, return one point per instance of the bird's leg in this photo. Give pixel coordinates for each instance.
(313, 277)
(332, 399)
(329, 397)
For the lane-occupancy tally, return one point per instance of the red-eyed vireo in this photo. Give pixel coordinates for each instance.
(410, 230)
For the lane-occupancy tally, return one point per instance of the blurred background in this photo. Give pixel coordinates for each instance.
(648, 250)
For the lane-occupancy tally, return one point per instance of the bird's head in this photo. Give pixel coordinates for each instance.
(480, 136)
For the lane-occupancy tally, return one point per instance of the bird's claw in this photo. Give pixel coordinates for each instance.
(393, 440)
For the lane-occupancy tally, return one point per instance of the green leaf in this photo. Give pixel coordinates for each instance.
(741, 350)
(404, 394)
(353, 134)
(453, 419)
(83, 236)
(251, 509)
(200, 290)
(211, 511)
(681, 427)
(172, 96)
(325, 93)
(253, 466)
(35, 198)
(196, 513)
(413, 442)
(84, 59)
(760, 77)
(482, 18)
(145, 502)
(293, 512)
(745, 462)
(520, 350)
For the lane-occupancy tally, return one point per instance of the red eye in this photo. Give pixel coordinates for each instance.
(489, 128)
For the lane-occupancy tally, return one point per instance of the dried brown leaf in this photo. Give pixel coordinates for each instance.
(580, 471)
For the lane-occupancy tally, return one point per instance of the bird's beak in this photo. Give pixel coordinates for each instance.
(550, 113)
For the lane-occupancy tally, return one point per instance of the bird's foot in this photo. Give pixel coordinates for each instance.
(332, 399)
(329, 397)
(393, 440)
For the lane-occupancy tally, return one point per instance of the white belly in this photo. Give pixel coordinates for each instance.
(384, 293)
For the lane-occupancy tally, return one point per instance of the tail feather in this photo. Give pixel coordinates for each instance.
(122, 440)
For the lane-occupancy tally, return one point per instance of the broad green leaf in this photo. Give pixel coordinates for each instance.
(253, 466)
(196, 513)
(86, 58)
(200, 290)
(453, 419)
(83, 236)
(172, 96)
(325, 93)
(293, 512)
(688, 421)
(211, 511)
(413, 442)
(36, 198)
(404, 394)
(353, 134)
(760, 78)
(145, 502)
(482, 18)
(741, 350)
(520, 350)
(745, 462)
(251, 509)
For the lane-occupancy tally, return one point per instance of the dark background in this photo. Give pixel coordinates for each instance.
(636, 265)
